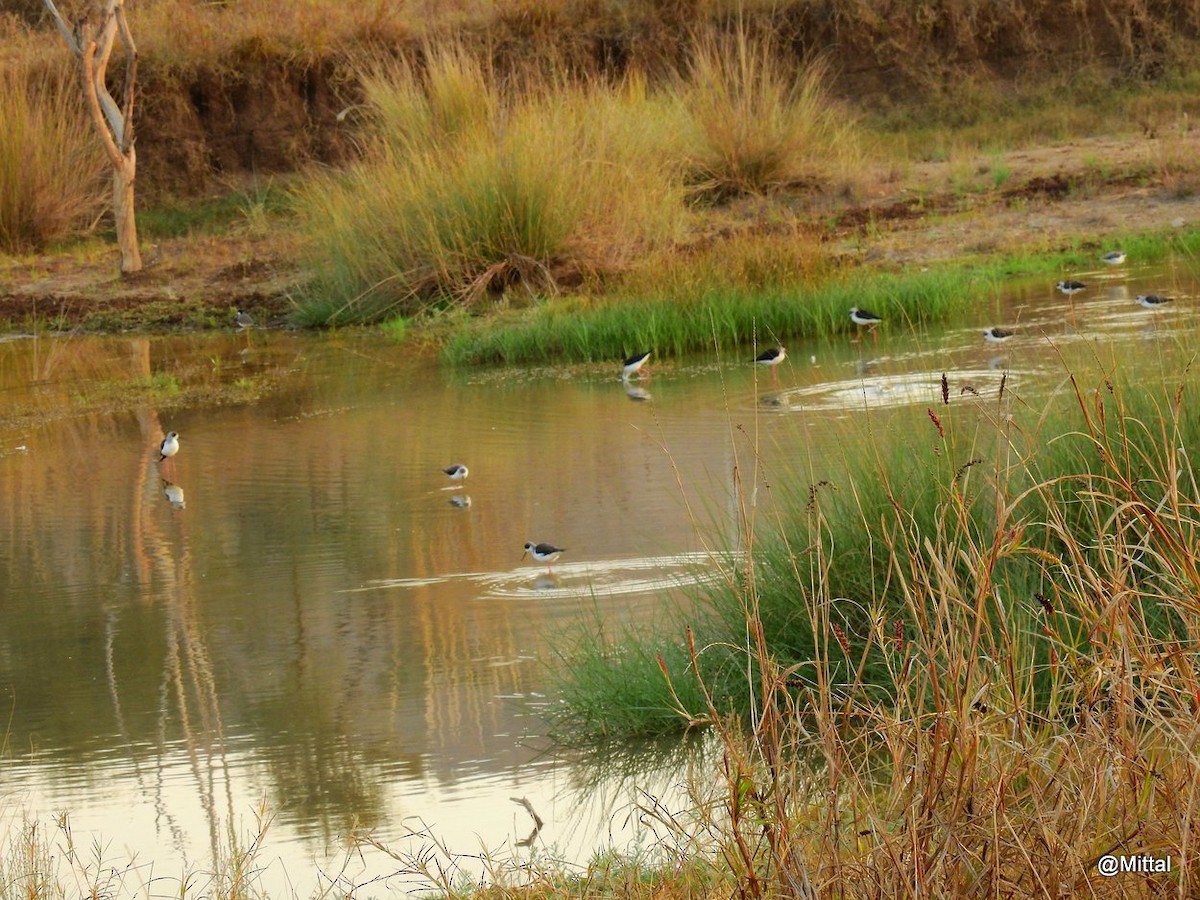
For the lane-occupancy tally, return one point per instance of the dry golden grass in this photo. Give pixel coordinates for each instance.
(754, 124)
(51, 163)
(1029, 726)
(466, 187)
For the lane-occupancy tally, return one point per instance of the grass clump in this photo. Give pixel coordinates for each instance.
(995, 508)
(755, 123)
(50, 162)
(697, 310)
(465, 189)
(958, 658)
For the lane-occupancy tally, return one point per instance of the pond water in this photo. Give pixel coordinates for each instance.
(300, 612)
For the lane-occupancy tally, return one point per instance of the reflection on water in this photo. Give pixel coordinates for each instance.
(298, 609)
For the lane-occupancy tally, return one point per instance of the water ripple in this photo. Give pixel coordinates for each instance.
(616, 577)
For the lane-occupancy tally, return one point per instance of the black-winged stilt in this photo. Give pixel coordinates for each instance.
(633, 364)
(861, 317)
(546, 553)
(169, 446)
(772, 358)
(1153, 301)
(457, 472)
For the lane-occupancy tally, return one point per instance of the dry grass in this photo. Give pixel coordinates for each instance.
(468, 188)
(50, 159)
(1031, 724)
(754, 124)
(43, 863)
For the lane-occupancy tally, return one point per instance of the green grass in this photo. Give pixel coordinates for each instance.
(687, 306)
(932, 647)
(725, 314)
(215, 215)
(985, 518)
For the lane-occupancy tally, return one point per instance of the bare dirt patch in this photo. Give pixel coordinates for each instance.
(186, 283)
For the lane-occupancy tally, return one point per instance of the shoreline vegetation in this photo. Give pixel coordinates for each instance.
(944, 657)
(962, 665)
(518, 183)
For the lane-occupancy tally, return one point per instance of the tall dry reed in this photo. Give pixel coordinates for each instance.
(755, 122)
(1037, 630)
(51, 165)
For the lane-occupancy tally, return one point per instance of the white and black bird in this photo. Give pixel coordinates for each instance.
(998, 335)
(772, 358)
(863, 318)
(243, 320)
(634, 364)
(1153, 301)
(1114, 257)
(169, 446)
(457, 472)
(1070, 287)
(546, 553)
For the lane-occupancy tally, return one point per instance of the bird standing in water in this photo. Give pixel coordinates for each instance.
(633, 365)
(546, 553)
(169, 446)
(457, 472)
(772, 358)
(861, 318)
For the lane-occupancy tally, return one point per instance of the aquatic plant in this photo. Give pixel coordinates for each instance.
(691, 314)
(917, 673)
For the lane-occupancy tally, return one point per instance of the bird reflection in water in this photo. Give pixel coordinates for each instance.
(174, 495)
(635, 392)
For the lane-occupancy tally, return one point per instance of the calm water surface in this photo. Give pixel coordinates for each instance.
(298, 611)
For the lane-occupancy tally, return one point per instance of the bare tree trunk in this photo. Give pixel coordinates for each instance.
(93, 47)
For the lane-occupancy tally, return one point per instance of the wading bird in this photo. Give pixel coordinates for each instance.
(546, 553)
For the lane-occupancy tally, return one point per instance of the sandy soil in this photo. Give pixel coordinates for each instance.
(1038, 199)
(1051, 197)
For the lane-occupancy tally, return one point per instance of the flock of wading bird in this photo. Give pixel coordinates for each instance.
(635, 366)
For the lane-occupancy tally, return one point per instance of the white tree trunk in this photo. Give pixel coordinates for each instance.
(93, 46)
